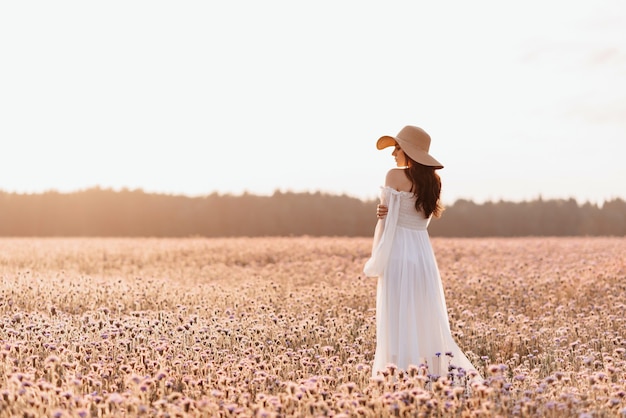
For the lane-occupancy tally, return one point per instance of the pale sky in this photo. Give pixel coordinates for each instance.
(521, 99)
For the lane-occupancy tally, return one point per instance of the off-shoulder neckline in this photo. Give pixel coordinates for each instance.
(401, 192)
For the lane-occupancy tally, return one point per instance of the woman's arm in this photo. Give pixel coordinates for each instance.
(397, 180)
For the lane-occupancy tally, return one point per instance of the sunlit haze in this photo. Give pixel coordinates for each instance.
(521, 99)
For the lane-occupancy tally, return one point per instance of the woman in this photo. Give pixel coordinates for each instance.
(411, 317)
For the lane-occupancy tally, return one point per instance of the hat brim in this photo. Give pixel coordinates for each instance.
(415, 153)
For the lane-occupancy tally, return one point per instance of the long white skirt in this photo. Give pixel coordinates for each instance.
(412, 325)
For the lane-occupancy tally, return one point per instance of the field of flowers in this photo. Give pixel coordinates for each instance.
(285, 327)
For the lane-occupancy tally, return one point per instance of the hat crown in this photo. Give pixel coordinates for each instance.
(415, 136)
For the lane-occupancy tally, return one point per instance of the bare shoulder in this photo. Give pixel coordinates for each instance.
(397, 179)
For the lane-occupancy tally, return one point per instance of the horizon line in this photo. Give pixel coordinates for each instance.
(538, 197)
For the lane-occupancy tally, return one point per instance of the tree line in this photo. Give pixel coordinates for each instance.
(135, 213)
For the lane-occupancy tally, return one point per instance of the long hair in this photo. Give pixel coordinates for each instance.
(426, 186)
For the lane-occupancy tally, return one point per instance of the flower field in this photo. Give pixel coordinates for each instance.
(279, 327)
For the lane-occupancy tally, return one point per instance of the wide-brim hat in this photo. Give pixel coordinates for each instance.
(415, 143)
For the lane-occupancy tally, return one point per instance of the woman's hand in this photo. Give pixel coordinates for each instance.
(381, 211)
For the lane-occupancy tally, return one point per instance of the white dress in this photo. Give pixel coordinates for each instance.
(412, 325)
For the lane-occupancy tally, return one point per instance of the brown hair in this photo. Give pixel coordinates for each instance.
(426, 186)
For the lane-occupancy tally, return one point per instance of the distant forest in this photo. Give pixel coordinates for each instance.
(135, 213)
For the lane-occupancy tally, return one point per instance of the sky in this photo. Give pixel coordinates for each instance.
(521, 99)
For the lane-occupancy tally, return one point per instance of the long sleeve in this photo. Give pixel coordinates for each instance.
(383, 234)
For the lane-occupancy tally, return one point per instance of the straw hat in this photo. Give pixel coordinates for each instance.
(415, 143)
